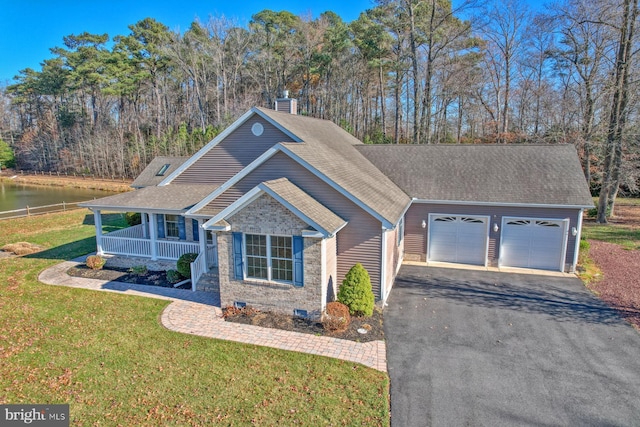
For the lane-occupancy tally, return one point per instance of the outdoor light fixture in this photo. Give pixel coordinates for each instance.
(495, 227)
(424, 224)
(574, 231)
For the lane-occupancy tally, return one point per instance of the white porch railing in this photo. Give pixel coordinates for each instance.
(165, 249)
(126, 246)
(135, 232)
(212, 256)
(169, 249)
(198, 268)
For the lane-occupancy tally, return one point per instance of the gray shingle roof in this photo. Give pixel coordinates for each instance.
(149, 177)
(332, 151)
(511, 174)
(166, 198)
(305, 204)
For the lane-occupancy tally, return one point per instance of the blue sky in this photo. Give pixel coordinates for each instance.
(29, 28)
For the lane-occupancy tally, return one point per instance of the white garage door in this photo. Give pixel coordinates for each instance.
(458, 238)
(533, 243)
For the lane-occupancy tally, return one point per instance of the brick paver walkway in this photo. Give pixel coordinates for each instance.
(199, 313)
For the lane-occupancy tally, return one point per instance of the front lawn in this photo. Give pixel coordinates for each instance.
(108, 356)
(627, 237)
(623, 229)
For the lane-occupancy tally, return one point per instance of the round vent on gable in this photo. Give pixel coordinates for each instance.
(257, 129)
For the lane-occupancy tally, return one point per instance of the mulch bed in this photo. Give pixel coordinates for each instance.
(266, 319)
(116, 274)
(620, 286)
(373, 324)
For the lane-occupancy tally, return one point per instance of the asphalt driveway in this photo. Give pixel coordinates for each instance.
(476, 348)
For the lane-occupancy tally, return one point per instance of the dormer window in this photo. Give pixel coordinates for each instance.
(163, 170)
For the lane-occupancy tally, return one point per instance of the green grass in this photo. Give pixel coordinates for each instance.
(108, 356)
(626, 237)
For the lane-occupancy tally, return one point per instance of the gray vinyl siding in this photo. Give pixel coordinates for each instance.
(359, 241)
(416, 236)
(231, 155)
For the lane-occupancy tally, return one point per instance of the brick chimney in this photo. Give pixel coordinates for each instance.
(286, 104)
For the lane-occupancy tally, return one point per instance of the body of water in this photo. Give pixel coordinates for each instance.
(17, 196)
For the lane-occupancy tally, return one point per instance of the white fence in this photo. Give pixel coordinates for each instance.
(38, 210)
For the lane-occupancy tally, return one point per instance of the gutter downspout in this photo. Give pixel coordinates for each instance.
(578, 236)
(383, 266)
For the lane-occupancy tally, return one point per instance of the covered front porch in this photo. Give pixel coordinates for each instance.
(164, 233)
(143, 241)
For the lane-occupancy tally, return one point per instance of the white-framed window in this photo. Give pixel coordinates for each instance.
(171, 226)
(281, 258)
(269, 257)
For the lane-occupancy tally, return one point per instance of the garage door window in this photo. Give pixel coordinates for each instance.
(547, 224)
(529, 222)
(519, 222)
(462, 219)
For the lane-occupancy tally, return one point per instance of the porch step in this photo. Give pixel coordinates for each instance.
(209, 281)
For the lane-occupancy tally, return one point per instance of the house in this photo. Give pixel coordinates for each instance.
(284, 205)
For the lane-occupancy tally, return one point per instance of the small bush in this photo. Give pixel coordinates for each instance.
(231, 311)
(336, 317)
(184, 264)
(95, 262)
(356, 292)
(593, 212)
(173, 276)
(140, 270)
(584, 245)
(133, 218)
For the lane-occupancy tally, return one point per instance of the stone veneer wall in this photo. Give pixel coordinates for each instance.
(266, 216)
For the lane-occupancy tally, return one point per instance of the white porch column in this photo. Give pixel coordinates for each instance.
(153, 232)
(145, 225)
(202, 239)
(97, 219)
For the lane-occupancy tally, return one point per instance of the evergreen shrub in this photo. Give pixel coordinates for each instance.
(184, 264)
(355, 292)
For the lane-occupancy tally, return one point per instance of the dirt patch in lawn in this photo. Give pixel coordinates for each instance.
(117, 274)
(372, 325)
(19, 249)
(620, 285)
(626, 215)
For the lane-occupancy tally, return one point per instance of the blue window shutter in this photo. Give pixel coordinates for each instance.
(160, 218)
(182, 229)
(298, 265)
(237, 256)
(196, 230)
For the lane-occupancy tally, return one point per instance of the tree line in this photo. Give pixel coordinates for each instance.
(403, 72)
